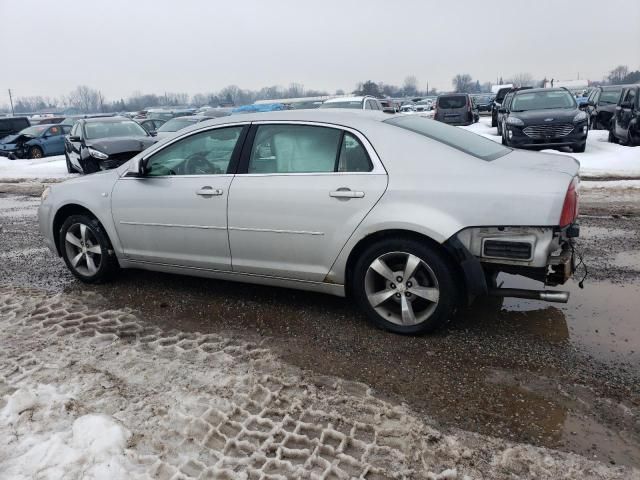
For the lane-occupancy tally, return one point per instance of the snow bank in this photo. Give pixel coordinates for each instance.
(48, 167)
(600, 159)
(40, 439)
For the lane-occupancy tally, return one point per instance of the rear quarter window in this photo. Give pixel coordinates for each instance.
(458, 138)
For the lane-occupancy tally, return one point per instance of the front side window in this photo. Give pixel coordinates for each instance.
(306, 149)
(630, 97)
(53, 131)
(205, 153)
(609, 97)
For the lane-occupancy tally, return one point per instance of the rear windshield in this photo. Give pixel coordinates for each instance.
(542, 100)
(452, 101)
(455, 137)
(609, 97)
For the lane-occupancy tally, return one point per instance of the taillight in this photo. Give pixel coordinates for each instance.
(570, 207)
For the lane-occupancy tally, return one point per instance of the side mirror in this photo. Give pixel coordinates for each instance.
(74, 138)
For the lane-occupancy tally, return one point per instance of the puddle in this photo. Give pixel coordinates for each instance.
(603, 319)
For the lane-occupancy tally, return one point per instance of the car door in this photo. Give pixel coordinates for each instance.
(300, 192)
(176, 213)
(72, 145)
(626, 112)
(53, 141)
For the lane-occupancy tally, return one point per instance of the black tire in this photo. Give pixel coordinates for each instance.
(108, 263)
(499, 127)
(36, 152)
(70, 167)
(579, 147)
(612, 138)
(440, 267)
(504, 140)
(494, 120)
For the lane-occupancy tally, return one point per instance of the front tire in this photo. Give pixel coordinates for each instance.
(579, 148)
(405, 286)
(86, 249)
(36, 152)
(612, 138)
(70, 167)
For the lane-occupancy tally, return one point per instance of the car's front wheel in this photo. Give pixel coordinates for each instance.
(405, 286)
(86, 249)
(36, 152)
(70, 168)
(579, 147)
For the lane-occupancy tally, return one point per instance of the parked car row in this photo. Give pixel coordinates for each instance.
(615, 108)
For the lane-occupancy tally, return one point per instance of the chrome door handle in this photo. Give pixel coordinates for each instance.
(209, 191)
(346, 193)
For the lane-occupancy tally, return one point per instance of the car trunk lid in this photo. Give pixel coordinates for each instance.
(550, 162)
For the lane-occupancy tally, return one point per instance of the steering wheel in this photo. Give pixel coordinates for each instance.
(197, 164)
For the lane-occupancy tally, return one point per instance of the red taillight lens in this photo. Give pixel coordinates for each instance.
(570, 207)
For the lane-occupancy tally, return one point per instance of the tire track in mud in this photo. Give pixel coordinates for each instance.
(215, 406)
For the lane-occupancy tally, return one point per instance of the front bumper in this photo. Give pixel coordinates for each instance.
(517, 138)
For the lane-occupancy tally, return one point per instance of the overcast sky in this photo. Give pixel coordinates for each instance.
(50, 46)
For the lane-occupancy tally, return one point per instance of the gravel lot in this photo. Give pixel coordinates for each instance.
(555, 376)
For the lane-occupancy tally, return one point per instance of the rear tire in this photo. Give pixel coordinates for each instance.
(36, 152)
(86, 249)
(419, 304)
(612, 138)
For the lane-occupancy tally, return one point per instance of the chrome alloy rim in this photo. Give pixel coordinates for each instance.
(401, 288)
(83, 249)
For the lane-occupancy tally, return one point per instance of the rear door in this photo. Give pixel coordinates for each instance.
(299, 194)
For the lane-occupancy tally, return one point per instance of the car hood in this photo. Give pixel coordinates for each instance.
(9, 139)
(548, 162)
(543, 116)
(114, 145)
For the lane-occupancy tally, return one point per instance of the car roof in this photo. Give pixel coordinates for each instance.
(348, 99)
(104, 119)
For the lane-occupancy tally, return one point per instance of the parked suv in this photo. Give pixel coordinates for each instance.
(455, 109)
(601, 106)
(358, 103)
(543, 118)
(13, 125)
(626, 120)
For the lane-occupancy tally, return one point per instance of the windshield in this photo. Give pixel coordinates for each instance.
(455, 137)
(542, 100)
(176, 124)
(34, 131)
(345, 104)
(452, 101)
(123, 128)
(609, 97)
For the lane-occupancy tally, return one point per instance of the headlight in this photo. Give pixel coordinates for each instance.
(515, 121)
(45, 194)
(580, 117)
(97, 154)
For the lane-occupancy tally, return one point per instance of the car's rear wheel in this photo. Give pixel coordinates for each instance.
(612, 138)
(494, 120)
(405, 286)
(579, 147)
(86, 249)
(36, 152)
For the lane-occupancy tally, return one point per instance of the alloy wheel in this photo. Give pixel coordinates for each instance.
(36, 153)
(83, 249)
(402, 288)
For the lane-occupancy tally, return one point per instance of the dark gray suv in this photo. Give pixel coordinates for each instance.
(455, 109)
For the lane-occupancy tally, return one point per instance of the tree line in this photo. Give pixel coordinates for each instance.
(85, 99)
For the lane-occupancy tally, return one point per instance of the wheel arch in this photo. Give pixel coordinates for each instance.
(396, 233)
(65, 212)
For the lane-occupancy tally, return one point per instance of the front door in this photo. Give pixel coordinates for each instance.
(53, 141)
(300, 193)
(177, 213)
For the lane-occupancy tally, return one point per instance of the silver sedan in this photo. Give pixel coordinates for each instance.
(408, 216)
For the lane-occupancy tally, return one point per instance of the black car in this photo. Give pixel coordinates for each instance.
(497, 103)
(544, 118)
(150, 124)
(503, 110)
(12, 125)
(601, 106)
(625, 127)
(103, 143)
(483, 102)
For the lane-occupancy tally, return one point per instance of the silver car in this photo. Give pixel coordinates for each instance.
(408, 216)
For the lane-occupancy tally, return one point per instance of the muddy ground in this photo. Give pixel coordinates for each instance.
(559, 376)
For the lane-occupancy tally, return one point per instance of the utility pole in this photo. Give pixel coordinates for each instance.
(11, 101)
(427, 87)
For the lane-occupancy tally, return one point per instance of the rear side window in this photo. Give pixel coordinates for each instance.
(454, 137)
(452, 101)
(306, 149)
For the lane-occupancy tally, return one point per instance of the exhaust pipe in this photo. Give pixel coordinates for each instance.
(544, 295)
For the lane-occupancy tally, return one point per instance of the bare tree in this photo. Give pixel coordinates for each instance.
(410, 85)
(522, 79)
(463, 83)
(618, 74)
(295, 90)
(85, 99)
